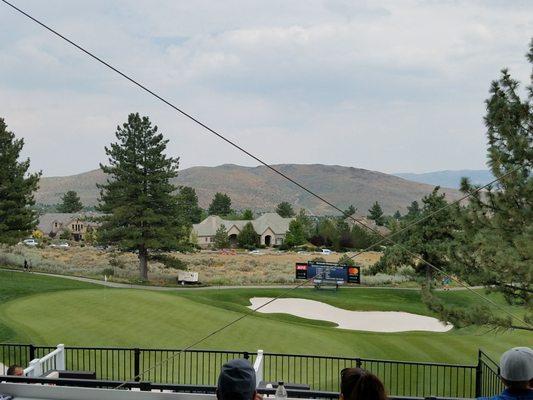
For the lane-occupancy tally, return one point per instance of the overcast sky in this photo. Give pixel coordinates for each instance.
(393, 86)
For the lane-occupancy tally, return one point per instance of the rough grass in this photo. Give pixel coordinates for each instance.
(213, 268)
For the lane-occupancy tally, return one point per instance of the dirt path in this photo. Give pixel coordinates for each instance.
(177, 288)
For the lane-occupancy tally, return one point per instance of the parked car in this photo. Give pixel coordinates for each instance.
(256, 252)
(326, 252)
(30, 242)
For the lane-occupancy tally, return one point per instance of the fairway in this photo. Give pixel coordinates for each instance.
(44, 310)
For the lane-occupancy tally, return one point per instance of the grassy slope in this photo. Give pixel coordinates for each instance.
(15, 285)
(119, 317)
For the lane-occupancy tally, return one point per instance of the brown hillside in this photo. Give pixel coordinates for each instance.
(261, 190)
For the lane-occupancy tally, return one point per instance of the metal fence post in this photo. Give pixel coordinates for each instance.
(137, 364)
(32, 352)
(479, 374)
(358, 362)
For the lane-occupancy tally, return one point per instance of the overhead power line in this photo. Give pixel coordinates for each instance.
(232, 143)
(259, 160)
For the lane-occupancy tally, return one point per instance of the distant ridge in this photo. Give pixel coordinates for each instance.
(261, 190)
(451, 179)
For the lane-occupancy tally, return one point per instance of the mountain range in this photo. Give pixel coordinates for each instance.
(450, 179)
(259, 189)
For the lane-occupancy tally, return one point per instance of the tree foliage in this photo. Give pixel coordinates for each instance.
(376, 214)
(220, 205)
(221, 240)
(17, 186)
(141, 212)
(247, 214)
(248, 237)
(285, 210)
(188, 210)
(494, 246)
(70, 203)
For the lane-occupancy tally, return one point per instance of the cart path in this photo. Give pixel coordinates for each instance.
(118, 285)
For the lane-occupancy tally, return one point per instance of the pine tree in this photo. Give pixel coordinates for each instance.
(188, 210)
(285, 210)
(247, 214)
(413, 211)
(140, 208)
(70, 203)
(376, 214)
(17, 219)
(248, 237)
(494, 246)
(221, 240)
(397, 215)
(220, 205)
(350, 211)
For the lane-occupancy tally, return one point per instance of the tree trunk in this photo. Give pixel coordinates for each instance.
(143, 263)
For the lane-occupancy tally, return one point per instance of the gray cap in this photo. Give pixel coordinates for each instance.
(516, 365)
(236, 381)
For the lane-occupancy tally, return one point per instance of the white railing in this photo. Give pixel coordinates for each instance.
(52, 361)
(258, 367)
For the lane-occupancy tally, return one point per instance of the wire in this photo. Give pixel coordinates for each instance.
(189, 116)
(213, 333)
(275, 170)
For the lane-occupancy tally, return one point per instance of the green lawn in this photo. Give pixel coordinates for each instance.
(44, 310)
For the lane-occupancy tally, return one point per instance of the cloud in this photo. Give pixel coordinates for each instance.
(378, 85)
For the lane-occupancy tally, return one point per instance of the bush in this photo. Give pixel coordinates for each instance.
(108, 272)
(346, 260)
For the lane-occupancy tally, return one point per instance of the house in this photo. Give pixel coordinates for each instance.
(270, 227)
(78, 224)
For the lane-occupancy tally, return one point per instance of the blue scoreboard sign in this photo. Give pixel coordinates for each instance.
(326, 271)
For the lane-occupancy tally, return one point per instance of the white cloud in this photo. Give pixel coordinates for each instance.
(378, 85)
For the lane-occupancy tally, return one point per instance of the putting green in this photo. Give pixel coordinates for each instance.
(142, 318)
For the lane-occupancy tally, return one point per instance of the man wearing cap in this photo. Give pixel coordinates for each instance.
(237, 381)
(516, 372)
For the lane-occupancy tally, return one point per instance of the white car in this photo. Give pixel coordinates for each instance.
(326, 252)
(30, 242)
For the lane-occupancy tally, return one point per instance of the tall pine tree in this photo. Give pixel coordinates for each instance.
(494, 246)
(17, 220)
(140, 210)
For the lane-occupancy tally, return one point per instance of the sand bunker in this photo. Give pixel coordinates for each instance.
(374, 321)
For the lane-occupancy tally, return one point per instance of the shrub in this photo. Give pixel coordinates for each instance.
(108, 272)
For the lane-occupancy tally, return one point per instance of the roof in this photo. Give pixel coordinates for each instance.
(277, 224)
(46, 220)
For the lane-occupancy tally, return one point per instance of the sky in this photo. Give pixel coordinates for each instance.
(392, 86)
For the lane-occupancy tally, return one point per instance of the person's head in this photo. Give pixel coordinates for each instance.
(349, 378)
(368, 387)
(236, 381)
(15, 370)
(516, 368)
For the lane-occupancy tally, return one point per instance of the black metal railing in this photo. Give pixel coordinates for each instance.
(320, 373)
(488, 382)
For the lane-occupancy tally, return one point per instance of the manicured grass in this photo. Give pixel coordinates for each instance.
(44, 310)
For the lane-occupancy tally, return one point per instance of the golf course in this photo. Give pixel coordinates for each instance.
(50, 310)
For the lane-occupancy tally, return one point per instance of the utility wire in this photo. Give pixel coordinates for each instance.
(219, 135)
(275, 170)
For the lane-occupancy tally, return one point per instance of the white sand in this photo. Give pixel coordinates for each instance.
(373, 321)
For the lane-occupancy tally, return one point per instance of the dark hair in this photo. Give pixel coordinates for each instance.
(368, 387)
(349, 378)
(11, 370)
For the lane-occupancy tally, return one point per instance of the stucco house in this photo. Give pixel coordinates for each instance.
(78, 224)
(270, 227)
